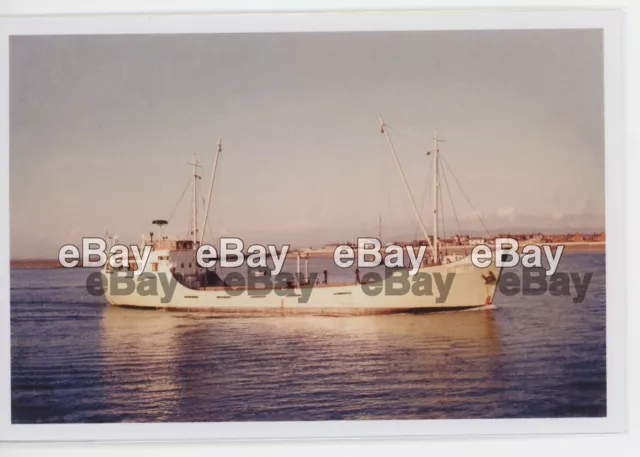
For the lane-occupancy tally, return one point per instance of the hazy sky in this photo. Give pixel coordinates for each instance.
(102, 128)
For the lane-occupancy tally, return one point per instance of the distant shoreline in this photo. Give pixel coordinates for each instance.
(578, 246)
(600, 246)
(24, 264)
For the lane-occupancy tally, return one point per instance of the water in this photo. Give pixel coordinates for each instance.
(73, 359)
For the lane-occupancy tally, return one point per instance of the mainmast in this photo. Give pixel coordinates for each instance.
(436, 185)
(383, 129)
(213, 177)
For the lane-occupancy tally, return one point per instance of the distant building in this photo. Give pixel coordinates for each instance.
(536, 237)
(576, 237)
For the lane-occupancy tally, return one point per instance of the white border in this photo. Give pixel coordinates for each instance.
(610, 21)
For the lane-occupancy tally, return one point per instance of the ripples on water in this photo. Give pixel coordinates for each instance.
(76, 360)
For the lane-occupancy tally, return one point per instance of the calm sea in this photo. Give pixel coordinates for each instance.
(73, 359)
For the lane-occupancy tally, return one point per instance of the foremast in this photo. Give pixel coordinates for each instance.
(436, 189)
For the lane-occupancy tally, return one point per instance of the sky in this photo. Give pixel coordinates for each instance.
(102, 130)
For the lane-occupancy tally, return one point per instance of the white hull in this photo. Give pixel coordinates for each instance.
(468, 289)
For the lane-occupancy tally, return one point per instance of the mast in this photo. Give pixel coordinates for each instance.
(195, 200)
(213, 177)
(383, 129)
(436, 187)
(436, 254)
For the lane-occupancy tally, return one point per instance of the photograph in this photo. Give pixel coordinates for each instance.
(307, 226)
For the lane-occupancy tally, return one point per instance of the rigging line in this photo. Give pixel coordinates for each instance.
(465, 196)
(204, 205)
(453, 206)
(427, 192)
(177, 204)
(189, 230)
(419, 214)
(210, 231)
(203, 202)
(388, 210)
(407, 137)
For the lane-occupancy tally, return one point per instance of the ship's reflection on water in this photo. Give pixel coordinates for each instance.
(73, 359)
(188, 367)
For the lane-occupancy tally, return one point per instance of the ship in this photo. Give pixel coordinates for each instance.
(201, 289)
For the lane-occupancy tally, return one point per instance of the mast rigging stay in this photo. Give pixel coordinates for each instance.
(383, 130)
